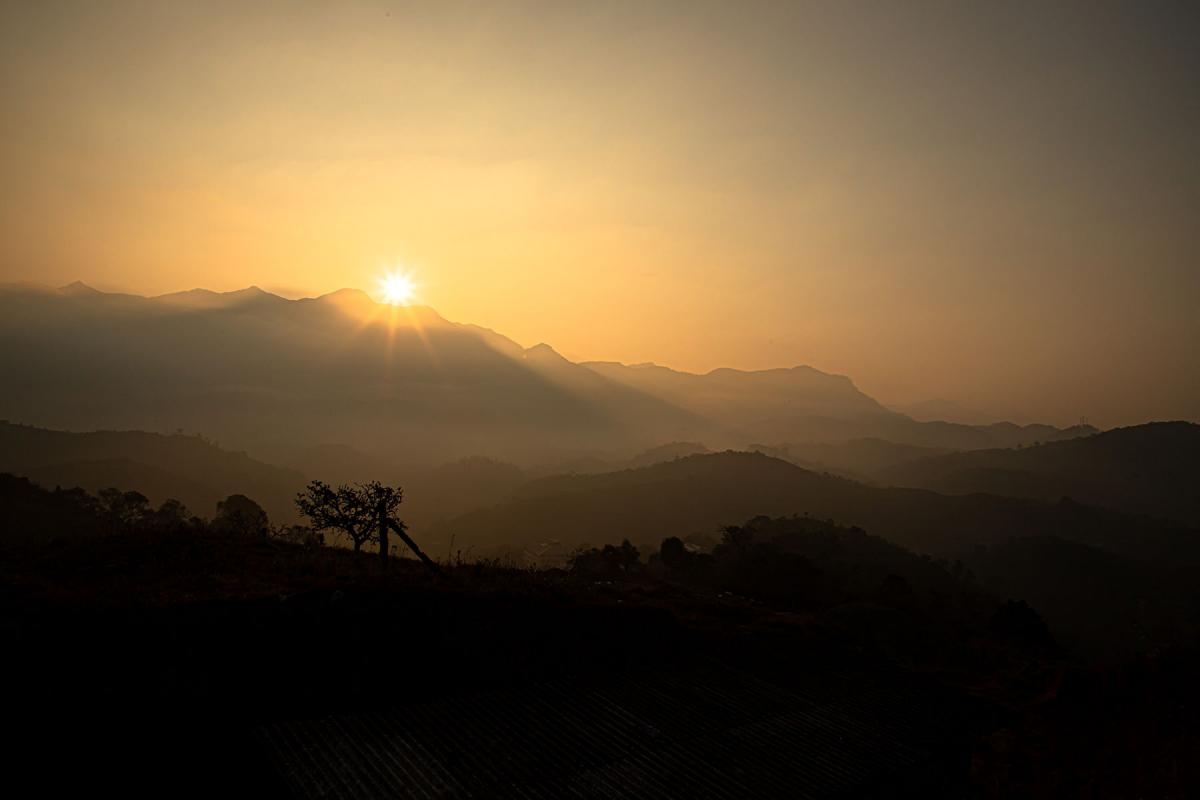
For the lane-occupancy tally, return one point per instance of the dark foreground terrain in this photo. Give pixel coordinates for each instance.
(190, 663)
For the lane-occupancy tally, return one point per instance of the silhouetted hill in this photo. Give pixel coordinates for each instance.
(33, 515)
(666, 452)
(186, 468)
(862, 459)
(1121, 554)
(699, 493)
(592, 464)
(1145, 469)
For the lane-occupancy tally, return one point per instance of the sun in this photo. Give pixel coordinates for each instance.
(397, 288)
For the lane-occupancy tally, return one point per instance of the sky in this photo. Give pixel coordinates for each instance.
(990, 203)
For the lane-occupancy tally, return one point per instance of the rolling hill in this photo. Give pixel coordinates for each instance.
(699, 493)
(186, 468)
(1144, 469)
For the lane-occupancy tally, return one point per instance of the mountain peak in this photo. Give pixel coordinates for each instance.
(345, 293)
(78, 288)
(358, 303)
(545, 355)
(208, 299)
(355, 302)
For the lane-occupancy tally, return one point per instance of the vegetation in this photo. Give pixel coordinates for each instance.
(352, 510)
(1039, 612)
(241, 628)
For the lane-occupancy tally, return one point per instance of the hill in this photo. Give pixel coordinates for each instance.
(1078, 550)
(699, 493)
(186, 468)
(209, 635)
(861, 459)
(1144, 469)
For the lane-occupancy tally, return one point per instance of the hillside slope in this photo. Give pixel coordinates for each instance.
(700, 493)
(186, 468)
(1144, 469)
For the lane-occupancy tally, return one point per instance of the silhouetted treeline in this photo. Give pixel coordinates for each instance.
(889, 597)
(188, 468)
(33, 515)
(809, 563)
(1096, 602)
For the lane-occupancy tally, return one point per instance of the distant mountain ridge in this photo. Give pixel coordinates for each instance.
(252, 369)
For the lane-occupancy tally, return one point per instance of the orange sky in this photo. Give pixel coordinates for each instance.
(978, 203)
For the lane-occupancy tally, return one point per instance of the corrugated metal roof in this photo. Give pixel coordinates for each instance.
(710, 732)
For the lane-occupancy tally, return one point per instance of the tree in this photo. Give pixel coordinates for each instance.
(673, 553)
(172, 515)
(736, 541)
(352, 509)
(299, 534)
(123, 509)
(242, 516)
(611, 562)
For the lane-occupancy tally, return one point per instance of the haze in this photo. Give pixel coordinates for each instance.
(989, 204)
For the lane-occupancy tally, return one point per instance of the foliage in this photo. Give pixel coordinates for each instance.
(122, 509)
(299, 534)
(351, 509)
(807, 563)
(241, 516)
(608, 563)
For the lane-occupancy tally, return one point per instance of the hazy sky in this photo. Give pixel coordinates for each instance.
(996, 203)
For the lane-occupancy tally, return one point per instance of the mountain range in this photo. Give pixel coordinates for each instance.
(256, 371)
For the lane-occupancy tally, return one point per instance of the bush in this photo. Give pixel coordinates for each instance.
(609, 563)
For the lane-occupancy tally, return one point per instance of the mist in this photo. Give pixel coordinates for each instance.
(623, 400)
